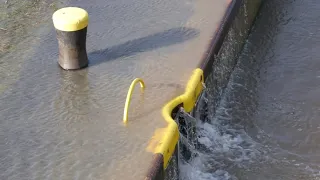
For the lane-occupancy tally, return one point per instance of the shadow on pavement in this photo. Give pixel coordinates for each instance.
(162, 39)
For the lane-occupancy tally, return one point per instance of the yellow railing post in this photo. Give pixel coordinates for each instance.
(128, 100)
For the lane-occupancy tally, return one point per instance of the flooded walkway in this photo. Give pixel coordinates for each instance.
(267, 124)
(59, 124)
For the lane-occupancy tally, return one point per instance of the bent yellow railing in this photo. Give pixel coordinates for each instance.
(128, 99)
(165, 140)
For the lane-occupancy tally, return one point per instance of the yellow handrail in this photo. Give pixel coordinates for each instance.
(128, 100)
(165, 140)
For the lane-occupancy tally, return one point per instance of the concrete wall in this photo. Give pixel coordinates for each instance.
(226, 59)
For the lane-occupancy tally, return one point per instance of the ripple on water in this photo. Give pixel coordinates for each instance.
(266, 126)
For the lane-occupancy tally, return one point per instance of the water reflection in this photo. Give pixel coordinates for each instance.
(73, 98)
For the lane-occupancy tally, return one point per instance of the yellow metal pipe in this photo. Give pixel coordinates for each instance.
(128, 100)
(164, 140)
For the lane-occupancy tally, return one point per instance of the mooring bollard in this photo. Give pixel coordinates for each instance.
(71, 28)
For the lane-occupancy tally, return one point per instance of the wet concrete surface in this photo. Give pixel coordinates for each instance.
(267, 123)
(59, 124)
(20, 24)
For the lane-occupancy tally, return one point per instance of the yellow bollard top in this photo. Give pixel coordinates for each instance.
(70, 19)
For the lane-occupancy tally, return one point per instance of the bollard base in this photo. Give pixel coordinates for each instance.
(72, 49)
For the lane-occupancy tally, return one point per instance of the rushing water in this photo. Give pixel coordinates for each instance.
(57, 124)
(267, 123)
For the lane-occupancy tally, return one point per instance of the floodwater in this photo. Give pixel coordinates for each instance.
(267, 123)
(58, 124)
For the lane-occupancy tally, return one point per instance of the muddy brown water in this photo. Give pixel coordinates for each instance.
(59, 124)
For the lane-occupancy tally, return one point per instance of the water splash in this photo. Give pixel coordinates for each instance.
(218, 147)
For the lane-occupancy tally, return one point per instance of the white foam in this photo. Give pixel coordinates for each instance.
(193, 171)
(221, 146)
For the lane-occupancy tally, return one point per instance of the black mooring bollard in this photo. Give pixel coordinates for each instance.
(71, 27)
